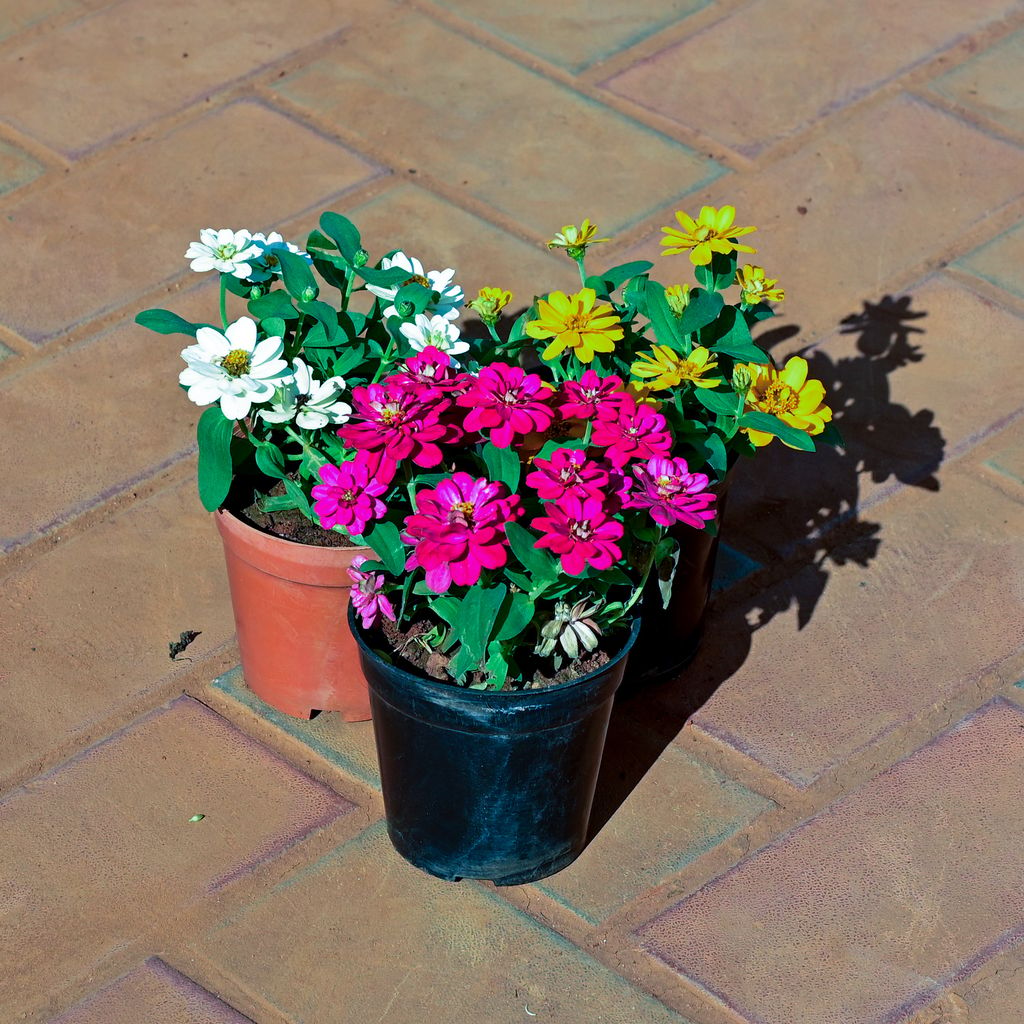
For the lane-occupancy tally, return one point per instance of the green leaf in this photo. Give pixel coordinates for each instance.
(624, 271)
(324, 314)
(722, 403)
(270, 459)
(831, 435)
(518, 327)
(516, 614)
(703, 308)
(196, 817)
(537, 562)
(318, 240)
(736, 341)
(214, 436)
(279, 503)
(297, 495)
(273, 326)
(497, 666)
(384, 278)
(635, 294)
(416, 294)
(297, 276)
(386, 541)
(165, 322)
(665, 325)
(446, 607)
(502, 464)
(344, 233)
(770, 424)
(273, 304)
(480, 609)
(349, 359)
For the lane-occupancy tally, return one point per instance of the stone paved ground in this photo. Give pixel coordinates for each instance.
(820, 822)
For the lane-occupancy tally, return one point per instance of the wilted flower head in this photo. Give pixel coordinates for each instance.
(489, 304)
(571, 628)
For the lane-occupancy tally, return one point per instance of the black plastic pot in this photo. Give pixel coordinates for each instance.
(488, 785)
(671, 634)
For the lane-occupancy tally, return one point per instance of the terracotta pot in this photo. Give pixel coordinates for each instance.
(291, 605)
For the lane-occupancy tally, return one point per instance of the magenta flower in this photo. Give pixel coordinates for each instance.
(430, 368)
(506, 400)
(584, 399)
(401, 422)
(630, 431)
(580, 531)
(459, 530)
(366, 595)
(672, 493)
(349, 494)
(567, 472)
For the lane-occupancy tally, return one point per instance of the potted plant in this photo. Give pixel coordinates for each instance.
(687, 358)
(276, 385)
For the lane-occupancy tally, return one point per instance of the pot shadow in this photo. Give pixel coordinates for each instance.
(795, 515)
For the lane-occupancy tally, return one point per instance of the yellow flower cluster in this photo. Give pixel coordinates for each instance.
(574, 321)
(788, 394)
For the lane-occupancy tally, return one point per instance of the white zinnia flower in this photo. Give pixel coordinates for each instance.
(230, 252)
(266, 265)
(233, 368)
(450, 295)
(436, 331)
(311, 403)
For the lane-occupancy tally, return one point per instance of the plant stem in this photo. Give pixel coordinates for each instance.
(349, 283)
(583, 273)
(223, 301)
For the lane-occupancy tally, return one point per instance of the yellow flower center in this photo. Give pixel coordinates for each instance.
(270, 259)
(463, 507)
(390, 415)
(348, 496)
(461, 513)
(236, 362)
(417, 279)
(779, 398)
(225, 252)
(577, 322)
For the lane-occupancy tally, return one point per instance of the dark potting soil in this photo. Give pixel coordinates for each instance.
(292, 525)
(410, 654)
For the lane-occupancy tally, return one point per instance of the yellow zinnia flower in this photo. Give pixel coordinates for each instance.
(576, 238)
(788, 394)
(490, 302)
(712, 231)
(678, 298)
(573, 321)
(756, 287)
(664, 368)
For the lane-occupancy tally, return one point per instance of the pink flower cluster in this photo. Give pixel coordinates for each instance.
(349, 494)
(366, 595)
(672, 493)
(458, 530)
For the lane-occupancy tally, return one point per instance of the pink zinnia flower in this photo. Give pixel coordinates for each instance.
(580, 531)
(567, 472)
(631, 432)
(672, 493)
(349, 494)
(459, 530)
(506, 400)
(430, 368)
(583, 399)
(366, 595)
(402, 422)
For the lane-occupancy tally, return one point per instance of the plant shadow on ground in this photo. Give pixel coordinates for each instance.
(796, 514)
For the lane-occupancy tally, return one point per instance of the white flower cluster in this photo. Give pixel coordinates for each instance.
(239, 371)
(249, 257)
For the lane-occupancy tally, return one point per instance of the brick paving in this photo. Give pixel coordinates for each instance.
(819, 821)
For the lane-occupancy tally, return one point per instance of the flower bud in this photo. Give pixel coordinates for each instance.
(308, 294)
(405, 309)
(361, 258)
(256, 291)
(741, 380)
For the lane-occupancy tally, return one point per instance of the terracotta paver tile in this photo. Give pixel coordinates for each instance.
(102, 847)
(904, 397)
(135, 61)
(425, 950)
(153, 993)
(1008, 455)
(681, 807)
(348, 745)
(160, 418)
(86, 624)
(1000, 262)
(575, 33)
(166, 190)
(997, 996)
(990, 83)
(875, 905)
(876, 650)
(16, 168)
(521, 128)
(806, 68)
(442, 235)
(870, 188)
(16, 15)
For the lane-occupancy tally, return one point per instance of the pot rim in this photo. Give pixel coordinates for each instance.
(439, 689)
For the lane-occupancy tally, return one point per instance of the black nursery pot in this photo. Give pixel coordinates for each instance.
(488, 785)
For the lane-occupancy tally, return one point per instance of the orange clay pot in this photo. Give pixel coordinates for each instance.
(291, 609)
